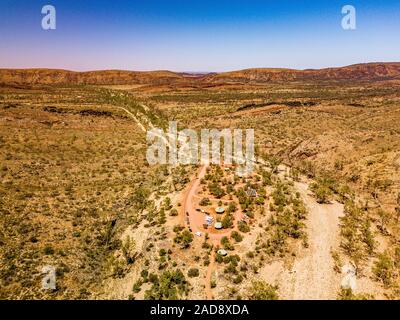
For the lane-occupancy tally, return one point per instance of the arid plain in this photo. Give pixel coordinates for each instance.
(317, 219)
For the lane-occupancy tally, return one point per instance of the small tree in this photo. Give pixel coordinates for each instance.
(184, 238)
(384, 269)
(232, 207)
(167, 203)
(274, 163)
(139, 199)
(260, 290)
(226, 243)
(227, 221)
(236, 236)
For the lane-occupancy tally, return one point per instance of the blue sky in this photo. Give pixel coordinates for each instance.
(207, 35)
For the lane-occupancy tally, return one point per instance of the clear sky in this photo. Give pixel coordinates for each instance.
(191, 35)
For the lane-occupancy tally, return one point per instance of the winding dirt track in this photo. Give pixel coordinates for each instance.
(312, 276)
(195, 219)
(134, 118)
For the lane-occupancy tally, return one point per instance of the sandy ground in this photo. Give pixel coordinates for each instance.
(208, 277)
(312, 275)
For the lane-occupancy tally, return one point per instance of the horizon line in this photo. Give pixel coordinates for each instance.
(198, 72)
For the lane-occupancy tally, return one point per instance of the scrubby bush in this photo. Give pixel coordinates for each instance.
(184, 238)
(226, 243)
(260, 290)
(137, 286)
(347, 294)
(231, 207)
(384, 269)
(243, 227)
(322, 193)
(227, 221)
(238, 279)
(236, 236)
(219, 258)
(193, 272)
(216, 190)
(172, 285)
(205, 202)
(355, 229)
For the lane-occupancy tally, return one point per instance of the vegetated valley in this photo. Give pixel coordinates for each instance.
(317, 219)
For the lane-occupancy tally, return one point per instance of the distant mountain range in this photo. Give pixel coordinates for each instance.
(360, 72)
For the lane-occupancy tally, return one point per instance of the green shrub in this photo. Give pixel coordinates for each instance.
(322, 193)
(137, 286)
(238, 279)
(236, 236)
(184, 238)
(261, 290)
(48, 250)
(226, 243)
(243, 227)
(384, 269)
(227, 221)
(171, 286)
(347, 294)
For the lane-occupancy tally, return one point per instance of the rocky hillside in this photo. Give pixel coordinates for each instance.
(364, 72)
(368, 71)
(52, 76)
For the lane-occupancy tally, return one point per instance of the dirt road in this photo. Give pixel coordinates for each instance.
(315, 277)
(312, 276)
(141, 126)
(196, 219)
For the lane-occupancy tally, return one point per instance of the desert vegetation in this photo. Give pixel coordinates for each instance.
(77, 192)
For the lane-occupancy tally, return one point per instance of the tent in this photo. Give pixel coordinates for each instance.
(220, 210)
(222, 252)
